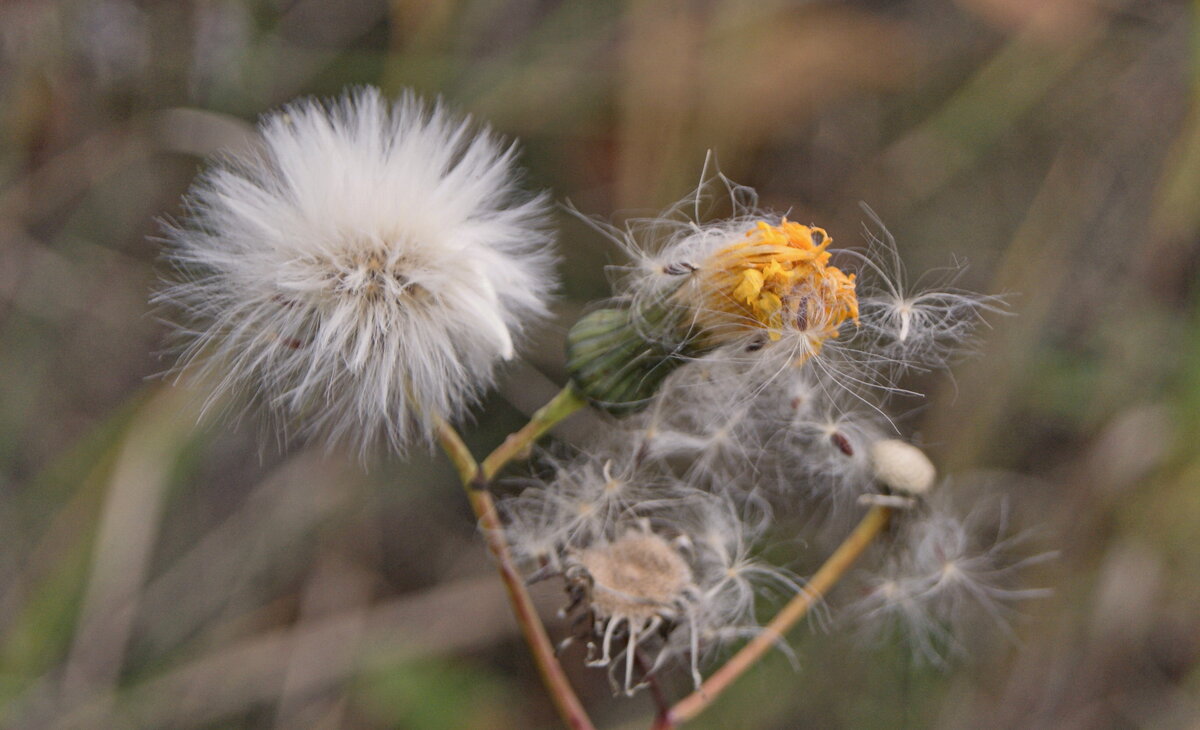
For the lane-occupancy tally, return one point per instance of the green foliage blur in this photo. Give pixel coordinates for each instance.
(163, 568)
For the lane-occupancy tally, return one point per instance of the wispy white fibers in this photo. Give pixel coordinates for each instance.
(922, 324)
(945, 571)
(670, 574)
(363, 271)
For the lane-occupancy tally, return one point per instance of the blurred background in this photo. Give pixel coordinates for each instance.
(158, 570)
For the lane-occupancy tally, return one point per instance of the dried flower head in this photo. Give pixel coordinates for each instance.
(667, 573)
(633, 585)
(363, 272)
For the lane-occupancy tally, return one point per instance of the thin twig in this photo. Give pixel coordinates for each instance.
(568, 705)
(476, 479)
(822, 581)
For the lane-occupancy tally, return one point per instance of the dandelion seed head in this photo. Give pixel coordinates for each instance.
(362, 272)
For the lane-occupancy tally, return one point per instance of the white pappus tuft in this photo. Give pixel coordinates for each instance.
(583, 501)
(919, 325)
(945, 572)
(362, 273)
(820, 444)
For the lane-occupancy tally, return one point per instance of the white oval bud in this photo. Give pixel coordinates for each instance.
(902, 467)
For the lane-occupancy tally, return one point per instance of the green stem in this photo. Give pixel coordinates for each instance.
(460, 455)
(562, 405)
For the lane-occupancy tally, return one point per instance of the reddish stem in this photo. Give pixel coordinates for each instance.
(476, 479)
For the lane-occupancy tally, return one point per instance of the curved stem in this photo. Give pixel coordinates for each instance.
(560, 406)
(570, 709)
(460, 455)
(820, 584)
(476, 479)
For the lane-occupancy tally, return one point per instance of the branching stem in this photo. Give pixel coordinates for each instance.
(476, 478)
(562, 405)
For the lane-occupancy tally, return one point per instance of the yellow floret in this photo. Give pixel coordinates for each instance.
(775, 279)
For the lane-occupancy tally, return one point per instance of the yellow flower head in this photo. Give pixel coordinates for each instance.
(776, 279)
(715, 287)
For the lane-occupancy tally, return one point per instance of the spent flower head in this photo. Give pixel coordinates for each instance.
(660, 571)
(761, 290)
(363, 271)
(756, 284)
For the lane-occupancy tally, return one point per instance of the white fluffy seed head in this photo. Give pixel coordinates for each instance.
(363, 272)
(902, 467)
